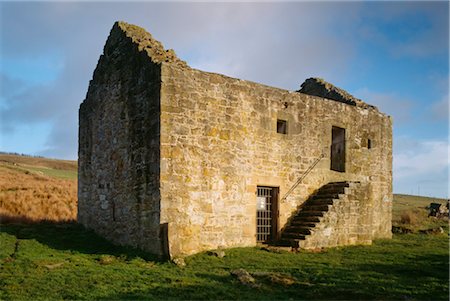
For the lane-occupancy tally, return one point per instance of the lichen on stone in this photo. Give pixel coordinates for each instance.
(147, 43)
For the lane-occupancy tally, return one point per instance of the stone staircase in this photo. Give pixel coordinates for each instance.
(310, 218)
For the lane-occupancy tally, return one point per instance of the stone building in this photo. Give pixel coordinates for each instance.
(175, 160)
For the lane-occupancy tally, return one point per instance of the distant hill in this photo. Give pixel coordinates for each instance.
(41, 188)
(36, 162)
(405, 202)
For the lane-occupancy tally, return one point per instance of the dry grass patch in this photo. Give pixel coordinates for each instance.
(30, 197)
(413, 218)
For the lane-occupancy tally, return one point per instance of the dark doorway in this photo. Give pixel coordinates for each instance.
(266, 214)
(338, 149)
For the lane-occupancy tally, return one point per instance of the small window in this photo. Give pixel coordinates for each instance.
(369, 143)
(281, 126)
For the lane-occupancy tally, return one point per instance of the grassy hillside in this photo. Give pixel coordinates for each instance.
(404, 202)
(63, 169)
(35, 189)
(409, 212)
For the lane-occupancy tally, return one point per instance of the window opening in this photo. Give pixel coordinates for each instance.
(369, 143)
(338, 149)
(281, 126)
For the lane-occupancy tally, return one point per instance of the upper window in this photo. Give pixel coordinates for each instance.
(338, 149)
(281, 126)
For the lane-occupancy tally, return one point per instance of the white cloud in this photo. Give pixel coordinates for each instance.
(391, 103)
(275, 44)
(421, 165)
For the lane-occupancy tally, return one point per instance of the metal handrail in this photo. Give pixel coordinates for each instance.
(300, 179)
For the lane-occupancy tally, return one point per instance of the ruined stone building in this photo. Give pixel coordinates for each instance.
(175, 160)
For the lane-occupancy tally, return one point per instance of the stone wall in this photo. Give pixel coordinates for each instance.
(219, 142)
(170, 157)
(118, 193)
(348, 221)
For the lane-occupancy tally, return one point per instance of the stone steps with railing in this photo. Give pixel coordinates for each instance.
(310, 218)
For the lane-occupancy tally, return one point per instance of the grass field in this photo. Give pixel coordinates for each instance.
(61, 260)
(49, 261)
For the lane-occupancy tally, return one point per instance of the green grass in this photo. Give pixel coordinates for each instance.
(51, 261)
(50, 172)
(45, 171)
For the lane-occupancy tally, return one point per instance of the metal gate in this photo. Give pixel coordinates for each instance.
(266, 212)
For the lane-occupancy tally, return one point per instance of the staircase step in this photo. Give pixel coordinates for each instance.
(331, 190)
(298, 229)
(316, 208)
(325, 196)
(344, 183)
(306, 219)
(293, 235)
(317, 202)
(334, 186)
(310, 213)
(302, 223)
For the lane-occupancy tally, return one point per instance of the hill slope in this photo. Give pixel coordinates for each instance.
(41, 188)
(35, 189)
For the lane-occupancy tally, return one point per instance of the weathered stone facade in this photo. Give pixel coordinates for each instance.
(170, 157)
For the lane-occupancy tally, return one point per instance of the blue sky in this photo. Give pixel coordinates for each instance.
(394, 55)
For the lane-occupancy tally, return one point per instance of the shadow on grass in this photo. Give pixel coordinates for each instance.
(424, 277)
(419, 278)
(207, 287)
(71, 236)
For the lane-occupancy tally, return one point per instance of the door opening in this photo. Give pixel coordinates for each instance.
(266, 213)
(338, 149)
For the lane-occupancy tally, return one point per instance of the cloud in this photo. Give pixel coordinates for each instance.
(10, 86)
(274, 44)
(260, 42)
(400, 108)
(61, 142)
(440, 109)
(423, 163)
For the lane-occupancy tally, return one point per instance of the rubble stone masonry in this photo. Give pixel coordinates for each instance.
(170, 157)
